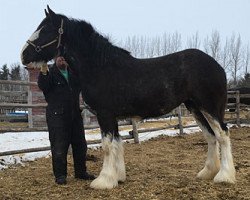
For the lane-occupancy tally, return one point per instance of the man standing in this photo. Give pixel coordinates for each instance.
(61, 89)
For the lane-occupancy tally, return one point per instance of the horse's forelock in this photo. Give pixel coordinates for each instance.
(43, 23)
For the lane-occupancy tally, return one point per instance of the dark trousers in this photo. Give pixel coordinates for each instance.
(60, 139)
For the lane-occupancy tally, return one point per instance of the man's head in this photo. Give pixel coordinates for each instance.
(61, 63)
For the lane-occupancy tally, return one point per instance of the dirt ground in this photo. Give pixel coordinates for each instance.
(162, 168)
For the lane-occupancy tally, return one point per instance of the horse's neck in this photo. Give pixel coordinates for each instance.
(77, 36)
(91, 48)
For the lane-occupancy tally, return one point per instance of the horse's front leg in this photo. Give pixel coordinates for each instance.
(113, 169)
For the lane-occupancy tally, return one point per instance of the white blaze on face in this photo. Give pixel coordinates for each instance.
(32, 38)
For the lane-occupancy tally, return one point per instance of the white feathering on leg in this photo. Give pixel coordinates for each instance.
(108, 177)
(121, 171)
(212, 164)
(227, 169)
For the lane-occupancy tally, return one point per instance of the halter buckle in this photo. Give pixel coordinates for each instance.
(38, 49)
(60, 30)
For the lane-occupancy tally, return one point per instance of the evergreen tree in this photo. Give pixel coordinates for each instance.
(15, 72)
(244, 82)
(4, 72)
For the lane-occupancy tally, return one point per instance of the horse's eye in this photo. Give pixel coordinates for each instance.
(50, 30)
(45, 29)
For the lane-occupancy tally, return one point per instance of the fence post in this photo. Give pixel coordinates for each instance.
(180, 121)
(36, 116)
(30, 118)
(238, 108)
(135, 131)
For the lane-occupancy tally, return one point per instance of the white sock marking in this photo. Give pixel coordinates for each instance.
(113, 169)
(227, 170)
(212, 164)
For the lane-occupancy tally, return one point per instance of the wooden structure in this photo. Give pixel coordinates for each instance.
(35, 97)
(236, 105)
(35, 103)
(12, 93)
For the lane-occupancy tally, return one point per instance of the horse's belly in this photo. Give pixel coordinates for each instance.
(146, 109)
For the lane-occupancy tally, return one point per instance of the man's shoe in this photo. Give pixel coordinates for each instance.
(85, 176)
(61, 180)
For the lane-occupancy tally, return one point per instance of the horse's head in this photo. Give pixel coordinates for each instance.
(45, 42)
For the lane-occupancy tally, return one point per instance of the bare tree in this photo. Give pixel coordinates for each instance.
(149, 51)
(246, 57)
(212, 45)
(170, 43)
(175, 42)
(232, 57)
(158, 47)
(194, 41)
(206, 45)
(165, 43)
(236, 57)
(215, 45)
(24, 74)
(135, 46)
(225, 56)
(127, 44)
(142, 46)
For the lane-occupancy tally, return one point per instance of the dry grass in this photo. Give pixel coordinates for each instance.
(13, 125)
(162, 168)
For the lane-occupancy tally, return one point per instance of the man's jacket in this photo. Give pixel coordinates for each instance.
(62, 97)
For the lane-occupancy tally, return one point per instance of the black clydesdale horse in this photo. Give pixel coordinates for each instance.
(116, 85)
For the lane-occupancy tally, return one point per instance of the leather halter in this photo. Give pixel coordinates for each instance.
(39, 48)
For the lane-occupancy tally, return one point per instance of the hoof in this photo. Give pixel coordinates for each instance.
(206, 174)
(104, 182)
(225, 177)
(122, 178)
(122, 175)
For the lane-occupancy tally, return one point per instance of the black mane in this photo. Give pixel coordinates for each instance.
(83, 37)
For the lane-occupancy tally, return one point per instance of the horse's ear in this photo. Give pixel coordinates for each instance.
(51, 12)
(46, 13)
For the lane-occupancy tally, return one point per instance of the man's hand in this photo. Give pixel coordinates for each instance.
(44, 68)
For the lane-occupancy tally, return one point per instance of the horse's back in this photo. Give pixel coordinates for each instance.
(194, 75)
(158, 85)
(190, 69)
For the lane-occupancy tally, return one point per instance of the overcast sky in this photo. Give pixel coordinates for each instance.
(19, 19)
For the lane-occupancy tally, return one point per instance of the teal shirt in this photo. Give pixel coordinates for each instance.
(65, 73)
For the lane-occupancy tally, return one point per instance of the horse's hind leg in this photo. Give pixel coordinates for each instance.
(212, 164)
(113, 169)
(227, 170)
